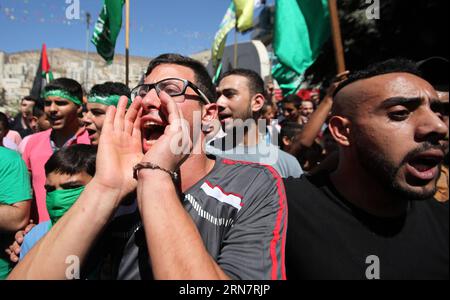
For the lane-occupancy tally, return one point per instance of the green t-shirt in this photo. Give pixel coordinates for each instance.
(14, 187)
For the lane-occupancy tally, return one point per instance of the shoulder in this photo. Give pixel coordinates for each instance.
(305, 181)
(251, 169)
(436, 210)
(306, 189)
(9, 157)
(290, 162)
(24, 143)
(254, 182)
(9, 143)
(14, 135)
(37, 138)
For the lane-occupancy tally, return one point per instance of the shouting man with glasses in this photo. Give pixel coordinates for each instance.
(202, 217)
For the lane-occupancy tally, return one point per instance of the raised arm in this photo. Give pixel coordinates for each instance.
(74, 234)
(318, 117)
(175, 246)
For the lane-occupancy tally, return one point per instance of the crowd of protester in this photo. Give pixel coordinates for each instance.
(180, 179)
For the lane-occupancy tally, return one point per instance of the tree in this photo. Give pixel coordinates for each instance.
(414, 29)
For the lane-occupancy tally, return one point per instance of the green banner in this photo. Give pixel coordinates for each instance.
(107, 28)
(301, 29)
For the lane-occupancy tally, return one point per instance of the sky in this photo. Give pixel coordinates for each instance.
(156, 26)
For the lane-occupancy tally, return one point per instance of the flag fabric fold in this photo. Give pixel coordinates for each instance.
(108, 28)
(301, 29)
(244, 14)
(239, 16)
(43, 74)
(227, 24)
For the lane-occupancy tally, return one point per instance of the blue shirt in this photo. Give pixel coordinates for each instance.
(32, 237)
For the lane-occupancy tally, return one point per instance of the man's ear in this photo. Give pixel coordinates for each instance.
(79, 109)
(340, 129)
(210, 115)
(257, 102)
(210, 112)
(33, 122)
(286, 141)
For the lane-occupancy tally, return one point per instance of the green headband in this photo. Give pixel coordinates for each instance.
(64, 95)
(106, 100)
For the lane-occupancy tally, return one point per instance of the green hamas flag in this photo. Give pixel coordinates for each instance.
(107, 28)
(301, 28)
(228, 23)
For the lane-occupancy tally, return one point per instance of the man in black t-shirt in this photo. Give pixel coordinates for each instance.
(22, 121)
(374, 216)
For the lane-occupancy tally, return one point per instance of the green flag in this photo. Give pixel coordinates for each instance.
(228, 23)
(301, 28)
(107, 28)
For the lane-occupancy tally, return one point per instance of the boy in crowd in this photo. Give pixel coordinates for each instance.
(63, 100)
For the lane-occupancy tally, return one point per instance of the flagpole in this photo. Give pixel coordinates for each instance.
(127, 41)
(235, 61)
(337, 38)
(86, 71)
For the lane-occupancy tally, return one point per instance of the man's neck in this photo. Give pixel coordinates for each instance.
(60, 137)
(194, 169)
(366, 192)
(249, 138)
(24, 121)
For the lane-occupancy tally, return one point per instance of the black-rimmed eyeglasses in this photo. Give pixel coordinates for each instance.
(172, 86)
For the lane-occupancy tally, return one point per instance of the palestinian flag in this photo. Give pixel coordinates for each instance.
(43, 75)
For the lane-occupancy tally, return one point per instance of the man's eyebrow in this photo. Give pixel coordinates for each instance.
(71, 184)
(229, 90)
(48, 187)
(401, 101)
(439, 106)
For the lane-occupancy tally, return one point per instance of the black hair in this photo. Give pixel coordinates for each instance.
(68, 85)
(255, 82)
(72, 160)
(38, 109)
(435, 71)
(394, 65)
(202, 78)
(4, 120)
(29, 98)
(294, 99)
(110, 88)
(289, 130)
(267, 103)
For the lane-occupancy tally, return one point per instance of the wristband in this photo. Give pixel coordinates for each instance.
(149, 165)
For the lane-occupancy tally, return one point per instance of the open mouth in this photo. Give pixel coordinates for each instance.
(225, 118)
(91, 132)
(152, 130)
(425, 166)
(55, 118)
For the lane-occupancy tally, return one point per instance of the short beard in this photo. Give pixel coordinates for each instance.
(381, 169)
